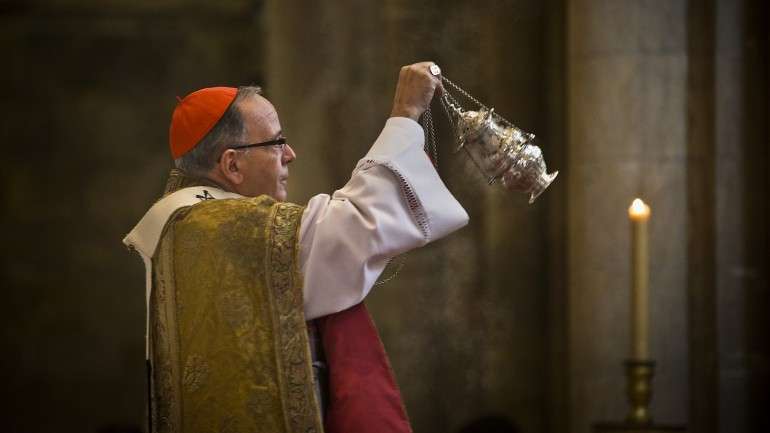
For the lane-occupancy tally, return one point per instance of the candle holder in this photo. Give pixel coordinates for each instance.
(639, 375)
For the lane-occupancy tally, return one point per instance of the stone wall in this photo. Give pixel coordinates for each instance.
(88, 89)
(472, 306)
(627, 68)
(519, 319)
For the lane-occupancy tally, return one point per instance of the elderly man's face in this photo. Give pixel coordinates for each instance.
(265, 169)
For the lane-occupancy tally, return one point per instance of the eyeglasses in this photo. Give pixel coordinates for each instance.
(277, 142)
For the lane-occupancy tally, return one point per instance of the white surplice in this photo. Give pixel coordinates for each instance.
(394, 202)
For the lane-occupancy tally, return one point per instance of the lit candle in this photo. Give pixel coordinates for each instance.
(639, 213)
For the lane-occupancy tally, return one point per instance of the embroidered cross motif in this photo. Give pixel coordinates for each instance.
(205, 196)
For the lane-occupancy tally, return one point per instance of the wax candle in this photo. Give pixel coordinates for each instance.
(639, 214)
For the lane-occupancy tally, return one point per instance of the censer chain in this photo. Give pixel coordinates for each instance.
(431, 149)
(448, 98)
(430, 136)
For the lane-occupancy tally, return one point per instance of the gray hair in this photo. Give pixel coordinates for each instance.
(228, 131)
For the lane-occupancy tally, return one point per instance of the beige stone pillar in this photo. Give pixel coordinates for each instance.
(465, 322)
(325, 86)
(627, 71)
(741, 222)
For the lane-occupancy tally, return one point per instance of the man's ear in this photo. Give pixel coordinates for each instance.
(229, 166)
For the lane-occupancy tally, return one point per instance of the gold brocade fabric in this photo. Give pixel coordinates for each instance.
(229, 343)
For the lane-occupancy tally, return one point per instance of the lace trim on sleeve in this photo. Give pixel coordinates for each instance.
(416, 208)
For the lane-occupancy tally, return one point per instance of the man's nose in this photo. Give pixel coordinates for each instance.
(288, 154)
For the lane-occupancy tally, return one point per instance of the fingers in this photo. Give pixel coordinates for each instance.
(440, 88)
(424, 69)
(417, 84)
(424, 74)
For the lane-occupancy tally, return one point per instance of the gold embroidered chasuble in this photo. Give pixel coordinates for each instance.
(229, 344)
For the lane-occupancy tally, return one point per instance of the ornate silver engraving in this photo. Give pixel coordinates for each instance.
(500, 150)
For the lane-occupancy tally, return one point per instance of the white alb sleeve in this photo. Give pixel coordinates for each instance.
(394, 202)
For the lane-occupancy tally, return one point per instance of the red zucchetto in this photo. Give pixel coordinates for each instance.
(195, 115)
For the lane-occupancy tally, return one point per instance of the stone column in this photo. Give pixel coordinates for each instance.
(741, 220)
(703, 406)
(627, 71)
(89, 89)
(465, 322)
(325, 87)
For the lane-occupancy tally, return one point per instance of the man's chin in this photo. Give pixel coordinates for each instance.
(281, 194)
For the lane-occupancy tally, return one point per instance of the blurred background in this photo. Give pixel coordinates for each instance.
(520, 321)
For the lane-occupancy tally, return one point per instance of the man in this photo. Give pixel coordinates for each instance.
(255, 313)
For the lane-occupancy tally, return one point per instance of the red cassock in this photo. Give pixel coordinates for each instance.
(363, 395)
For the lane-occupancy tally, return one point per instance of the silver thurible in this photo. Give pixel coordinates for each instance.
(501, 151)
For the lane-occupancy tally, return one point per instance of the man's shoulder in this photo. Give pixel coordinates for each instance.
(238, 224)
(210, 213)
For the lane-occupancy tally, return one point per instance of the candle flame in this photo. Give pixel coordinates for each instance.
(638, 210)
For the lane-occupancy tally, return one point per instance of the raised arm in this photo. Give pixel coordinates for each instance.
(394, 202)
